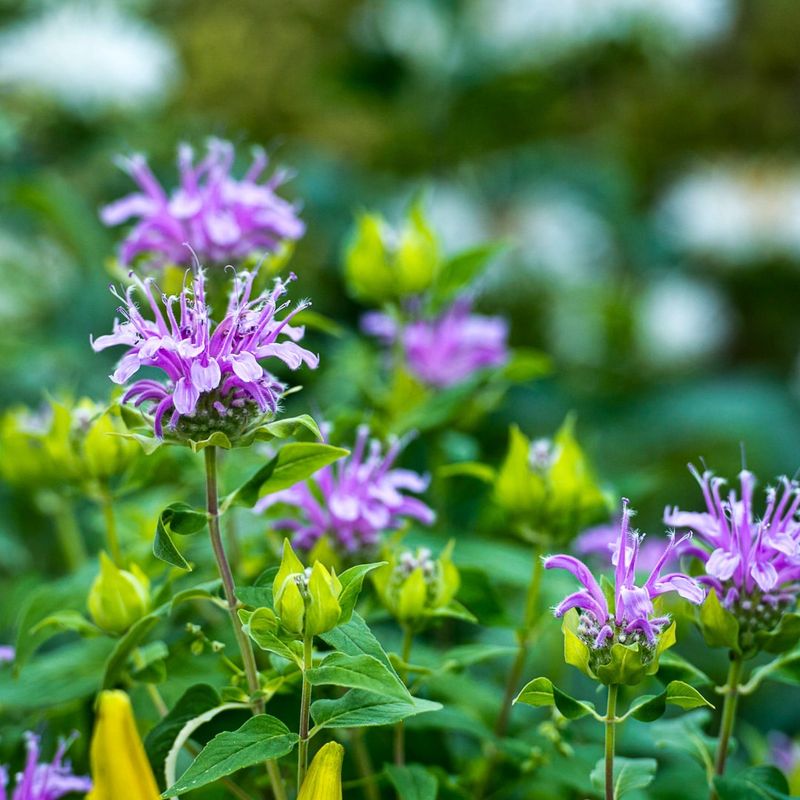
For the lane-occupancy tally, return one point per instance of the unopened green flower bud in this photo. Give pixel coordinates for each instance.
(547, 486)
(118, 598)
(382, 264)
(105, 453)
(306, 599)
(415, 585)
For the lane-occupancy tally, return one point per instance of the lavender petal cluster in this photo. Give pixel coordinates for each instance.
(354, 501)
(224, 218)
(752, 563)
(43, 781)
(447, 349)
(213, 380)
(634, 618)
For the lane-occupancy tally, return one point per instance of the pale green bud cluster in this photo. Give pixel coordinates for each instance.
(547, 487)
(66, 442)
(118, 598)
(415, 585)
(382, 264)
(306, 599)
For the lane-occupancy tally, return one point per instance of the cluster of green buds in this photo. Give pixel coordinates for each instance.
(383, 264)
(305, 599)
(415, 586)
(118, 598)
(65, 442)
(547, 487)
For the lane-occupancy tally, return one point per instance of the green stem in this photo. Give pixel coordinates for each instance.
(112, 540)
(728, 716)
(229, 587)
(399, 730)
(305, 707)
(69, 536)
(364, 765)
(611, 732)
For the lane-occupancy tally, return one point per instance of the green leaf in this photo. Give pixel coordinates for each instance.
(67, 620)
(352, 580)
(358, 708)
(286, 427)
(463, 268)
(782, 638)
(469, 469)
(720, 627)
(294, 462)
(649, 707)
(260, 626)
(453, 610)
(542, 692)
(672, 667)
(684, 696)
(412, 782)
(755, 783)
(195, 701)
(209, 590)
(126, 645)
(527, 364)
(261, 738)
(177, 518)
(359, 672)
(355, 638)
(629, 774)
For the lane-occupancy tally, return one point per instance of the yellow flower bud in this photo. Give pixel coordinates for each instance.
(118, 598)
(120, 768)
(324, 778)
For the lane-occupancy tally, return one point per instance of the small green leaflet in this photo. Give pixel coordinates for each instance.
(176, 518)
(359, 672)
(412, 782)
(358, 708)
(629, 774)
(542, 692)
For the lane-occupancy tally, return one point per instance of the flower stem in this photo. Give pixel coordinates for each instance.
(229, 587)
(69, 537)
(611, 733)
(399, 729)
(305, 706)
(364, 764)
(728, 716)
(112, 540)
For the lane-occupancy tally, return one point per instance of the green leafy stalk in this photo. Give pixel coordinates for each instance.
(305, 710)
(229, 587)
(399, 730)
(611, 732)
(728, 715)
(112, 540)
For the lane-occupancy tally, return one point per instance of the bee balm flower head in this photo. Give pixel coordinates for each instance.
(212, 376)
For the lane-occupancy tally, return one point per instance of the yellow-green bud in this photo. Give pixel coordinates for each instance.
(105, 454)
(306, 599)
(118, 598)
(547, 486)
(414, 585)
(382, 264)
(324, 778)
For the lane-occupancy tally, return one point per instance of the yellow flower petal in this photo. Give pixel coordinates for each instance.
(324, 778)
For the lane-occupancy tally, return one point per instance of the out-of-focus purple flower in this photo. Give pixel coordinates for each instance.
(354, 501)
(44, 781)
(7, 653)
(784, 753)
(601, 541)
(448, 349)
(752, 563)
(634, 619)
(225, 219)
(214, 380)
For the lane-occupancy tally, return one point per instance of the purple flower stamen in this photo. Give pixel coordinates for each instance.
(226, 219)
(214, 380)
(354, 501)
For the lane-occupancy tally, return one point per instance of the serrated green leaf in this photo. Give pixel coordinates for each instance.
(359, 672)
(355, 638)
(412, 782)
(261, 738)
(542, 692)
(358, 708)
(755, 783)
(260, 626)
(176, 518)
(629, 774)
(289, 426)
(294, 462)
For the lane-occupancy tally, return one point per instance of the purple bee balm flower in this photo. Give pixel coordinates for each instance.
(784, 754)
(214, 381)
(7, 654)
(601, 541)
(225, 219)
(448, 349)
(354, 501)
(752, 563)
(633, 619)
(44, 781)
